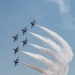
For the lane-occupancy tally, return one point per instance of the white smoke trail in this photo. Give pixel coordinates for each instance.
(67, 49)
(41, 58)
(41, 70)
(53, 68)
(49, 42)
(60, 67)
(49, 52)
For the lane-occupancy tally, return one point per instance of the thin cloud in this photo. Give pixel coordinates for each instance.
(64, 7)
(69, 22)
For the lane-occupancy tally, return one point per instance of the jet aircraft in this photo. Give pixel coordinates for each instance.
(16, 61)
(33, 23)
(25, 42)
(24, 30)
(15, 37)
(16, 50)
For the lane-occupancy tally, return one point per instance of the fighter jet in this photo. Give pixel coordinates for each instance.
(15, 37)
(33, 23)
(24, 30)
(16, 50)
(25, 42)
(16, 61)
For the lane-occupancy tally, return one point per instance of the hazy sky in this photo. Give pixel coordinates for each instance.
(57, 15)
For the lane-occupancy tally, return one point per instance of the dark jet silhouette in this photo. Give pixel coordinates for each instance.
(16, 50)
(24, 30)
(16, 61)
(33, 23)
(25, 42)
(15, 37)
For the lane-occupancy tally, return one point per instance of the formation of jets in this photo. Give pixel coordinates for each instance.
(16, 50)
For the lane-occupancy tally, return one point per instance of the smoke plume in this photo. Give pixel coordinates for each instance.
(62, 55)
(66, 48)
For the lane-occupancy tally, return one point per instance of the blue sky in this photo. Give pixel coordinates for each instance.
(16, 14)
